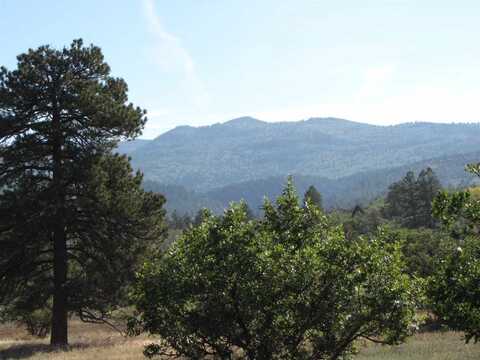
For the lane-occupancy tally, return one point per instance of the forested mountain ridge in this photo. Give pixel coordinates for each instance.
(246, 149)
(345, 192)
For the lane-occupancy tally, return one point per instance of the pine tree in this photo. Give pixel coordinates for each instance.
(71, 213)
(428, 188)
(409, 201)
(313, 196)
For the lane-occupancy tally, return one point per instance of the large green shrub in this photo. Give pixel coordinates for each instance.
(454, 289)
(287, 286)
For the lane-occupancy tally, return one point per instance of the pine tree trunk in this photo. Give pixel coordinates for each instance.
(59, 334)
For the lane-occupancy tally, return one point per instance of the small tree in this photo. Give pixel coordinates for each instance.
(313, 196)
(288, 286)
(454, 289)
(409, 201)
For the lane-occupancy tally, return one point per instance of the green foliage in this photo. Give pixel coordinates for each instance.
(116, 226)
(459, 212)
(421, 248)
(37, 322)
(34, 316)
(287, 286)
(454, 289)
(409, 201)
(360, 221)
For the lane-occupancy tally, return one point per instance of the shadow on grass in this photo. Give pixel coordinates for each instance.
(23, 351)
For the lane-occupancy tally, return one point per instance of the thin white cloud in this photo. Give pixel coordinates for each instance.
(173, 57)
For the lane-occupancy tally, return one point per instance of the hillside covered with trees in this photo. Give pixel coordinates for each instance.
(344, 192)
(246, 149)
(248, 159)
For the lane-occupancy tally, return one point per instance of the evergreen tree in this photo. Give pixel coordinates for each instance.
(428, 188)
(313, 196)
(409, 201)
(71, 214)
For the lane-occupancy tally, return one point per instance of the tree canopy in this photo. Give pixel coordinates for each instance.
(453, 288)
(286, 286)
(409, 201)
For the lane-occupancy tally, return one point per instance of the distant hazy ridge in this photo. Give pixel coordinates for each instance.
(348, 162)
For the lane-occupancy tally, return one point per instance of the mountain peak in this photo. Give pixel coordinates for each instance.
(244, 121)
(244, 149)
(336, 121)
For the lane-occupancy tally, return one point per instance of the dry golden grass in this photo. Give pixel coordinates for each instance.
(87, 341)
(99, 342)
(425, 346)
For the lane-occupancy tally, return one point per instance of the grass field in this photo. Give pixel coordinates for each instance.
(98, 342)
(425, 346)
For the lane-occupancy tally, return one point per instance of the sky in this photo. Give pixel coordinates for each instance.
(199, 62)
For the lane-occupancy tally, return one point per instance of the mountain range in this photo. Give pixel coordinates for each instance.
(349, 162)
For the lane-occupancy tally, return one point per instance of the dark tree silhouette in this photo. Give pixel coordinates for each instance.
(70, 212)
(312, 195)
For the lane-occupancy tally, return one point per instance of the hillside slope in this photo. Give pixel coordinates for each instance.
(345, 192)
(246, 149)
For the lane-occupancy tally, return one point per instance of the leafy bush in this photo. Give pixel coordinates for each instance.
(421, 248)
(288, 286)
(35, 317)
(38, 322)
(454, 289)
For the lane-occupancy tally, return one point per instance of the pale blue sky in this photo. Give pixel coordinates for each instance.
(199, 62)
